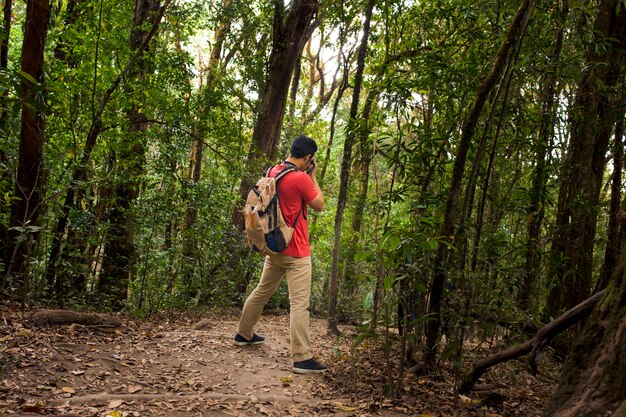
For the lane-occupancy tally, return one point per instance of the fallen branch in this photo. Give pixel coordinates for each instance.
(532, 346)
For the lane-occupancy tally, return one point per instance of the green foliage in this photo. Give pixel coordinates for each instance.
(424, 64)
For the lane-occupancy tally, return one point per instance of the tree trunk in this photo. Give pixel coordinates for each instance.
(79, 172)
(290, 34)
(433, 326)
(536, 207)
(195, 156)
(6, 29)
(120, 255)
(4, 176)
(26, 208)
(593, 117)
(346, 163)
(593, 381)
(613, 250)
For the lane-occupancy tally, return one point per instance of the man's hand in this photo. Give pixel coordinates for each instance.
(312, 169)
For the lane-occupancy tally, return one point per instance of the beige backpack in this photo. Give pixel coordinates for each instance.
(265, 227)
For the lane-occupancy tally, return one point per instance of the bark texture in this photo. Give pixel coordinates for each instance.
(120, 255)
(593, 117)
(290, 35)
(26, 209)
(594, 376)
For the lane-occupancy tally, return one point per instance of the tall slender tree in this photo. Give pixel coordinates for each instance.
(26, 208)
(80, 172)
(536, 207)
(346, 162)
(614, 233)
(200, 128)
(4, 64)
(120, 254)
(433, 326)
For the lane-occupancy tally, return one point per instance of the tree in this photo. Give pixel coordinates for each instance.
(80, 169)
(346, 162)
(433, 327)
(195, 155)
(592, 119)
(291, 31)
(593, 380)
(27, 206)
(614, 233)
(120, 254)
(536, 208)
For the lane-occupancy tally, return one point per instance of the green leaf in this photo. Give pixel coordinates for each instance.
(362, 256)
(391, 242)
(28, 77)
(389, 282)
(368, 301)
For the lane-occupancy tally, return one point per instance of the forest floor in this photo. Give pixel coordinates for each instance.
(178, 365)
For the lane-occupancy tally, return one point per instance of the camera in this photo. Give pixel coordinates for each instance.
(309, 170)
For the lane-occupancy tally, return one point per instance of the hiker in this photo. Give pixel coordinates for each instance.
(296, 190)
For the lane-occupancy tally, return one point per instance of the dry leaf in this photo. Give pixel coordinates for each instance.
(134, 388)
(5, 338)
(77, 372)
(343, 407)
(286, 380)
(115, 403)
(114, 414)
(38, 408)
(190, 382)
(69, 390)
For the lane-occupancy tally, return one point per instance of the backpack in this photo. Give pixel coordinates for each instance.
(266, 230)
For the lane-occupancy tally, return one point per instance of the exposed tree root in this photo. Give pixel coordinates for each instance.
(62, 317)
(105, 397)
(532, 346)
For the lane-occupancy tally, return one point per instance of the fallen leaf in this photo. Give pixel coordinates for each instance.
(114, 414)
(190, 382)
(134, 388)
(5, 338)
(286, 380)
(343, 407)
(38, 408)
(77, 372)
(69, 390)
(115, 403)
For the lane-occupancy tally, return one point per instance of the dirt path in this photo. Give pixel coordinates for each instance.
(182, 367)
(152, 369)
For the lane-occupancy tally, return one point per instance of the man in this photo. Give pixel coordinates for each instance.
(296, 191)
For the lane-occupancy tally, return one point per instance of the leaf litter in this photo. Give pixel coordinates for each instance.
(172, 366)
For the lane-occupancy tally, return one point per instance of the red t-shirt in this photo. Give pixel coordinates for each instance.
(295, 190)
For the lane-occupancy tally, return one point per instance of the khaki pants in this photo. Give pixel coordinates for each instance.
(298, 273)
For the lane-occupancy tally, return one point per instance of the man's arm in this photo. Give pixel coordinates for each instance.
(317, 203)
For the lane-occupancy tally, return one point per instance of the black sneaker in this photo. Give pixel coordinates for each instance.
(309, 366)
(256, 340)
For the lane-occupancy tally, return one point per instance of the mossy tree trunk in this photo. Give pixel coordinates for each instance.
(593, 117)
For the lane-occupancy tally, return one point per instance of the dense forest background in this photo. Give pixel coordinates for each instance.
(471, 156)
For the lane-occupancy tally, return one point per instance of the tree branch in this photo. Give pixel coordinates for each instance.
(532, 346)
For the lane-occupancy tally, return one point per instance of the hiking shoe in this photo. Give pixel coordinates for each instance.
(309, 366)
(256, 340)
